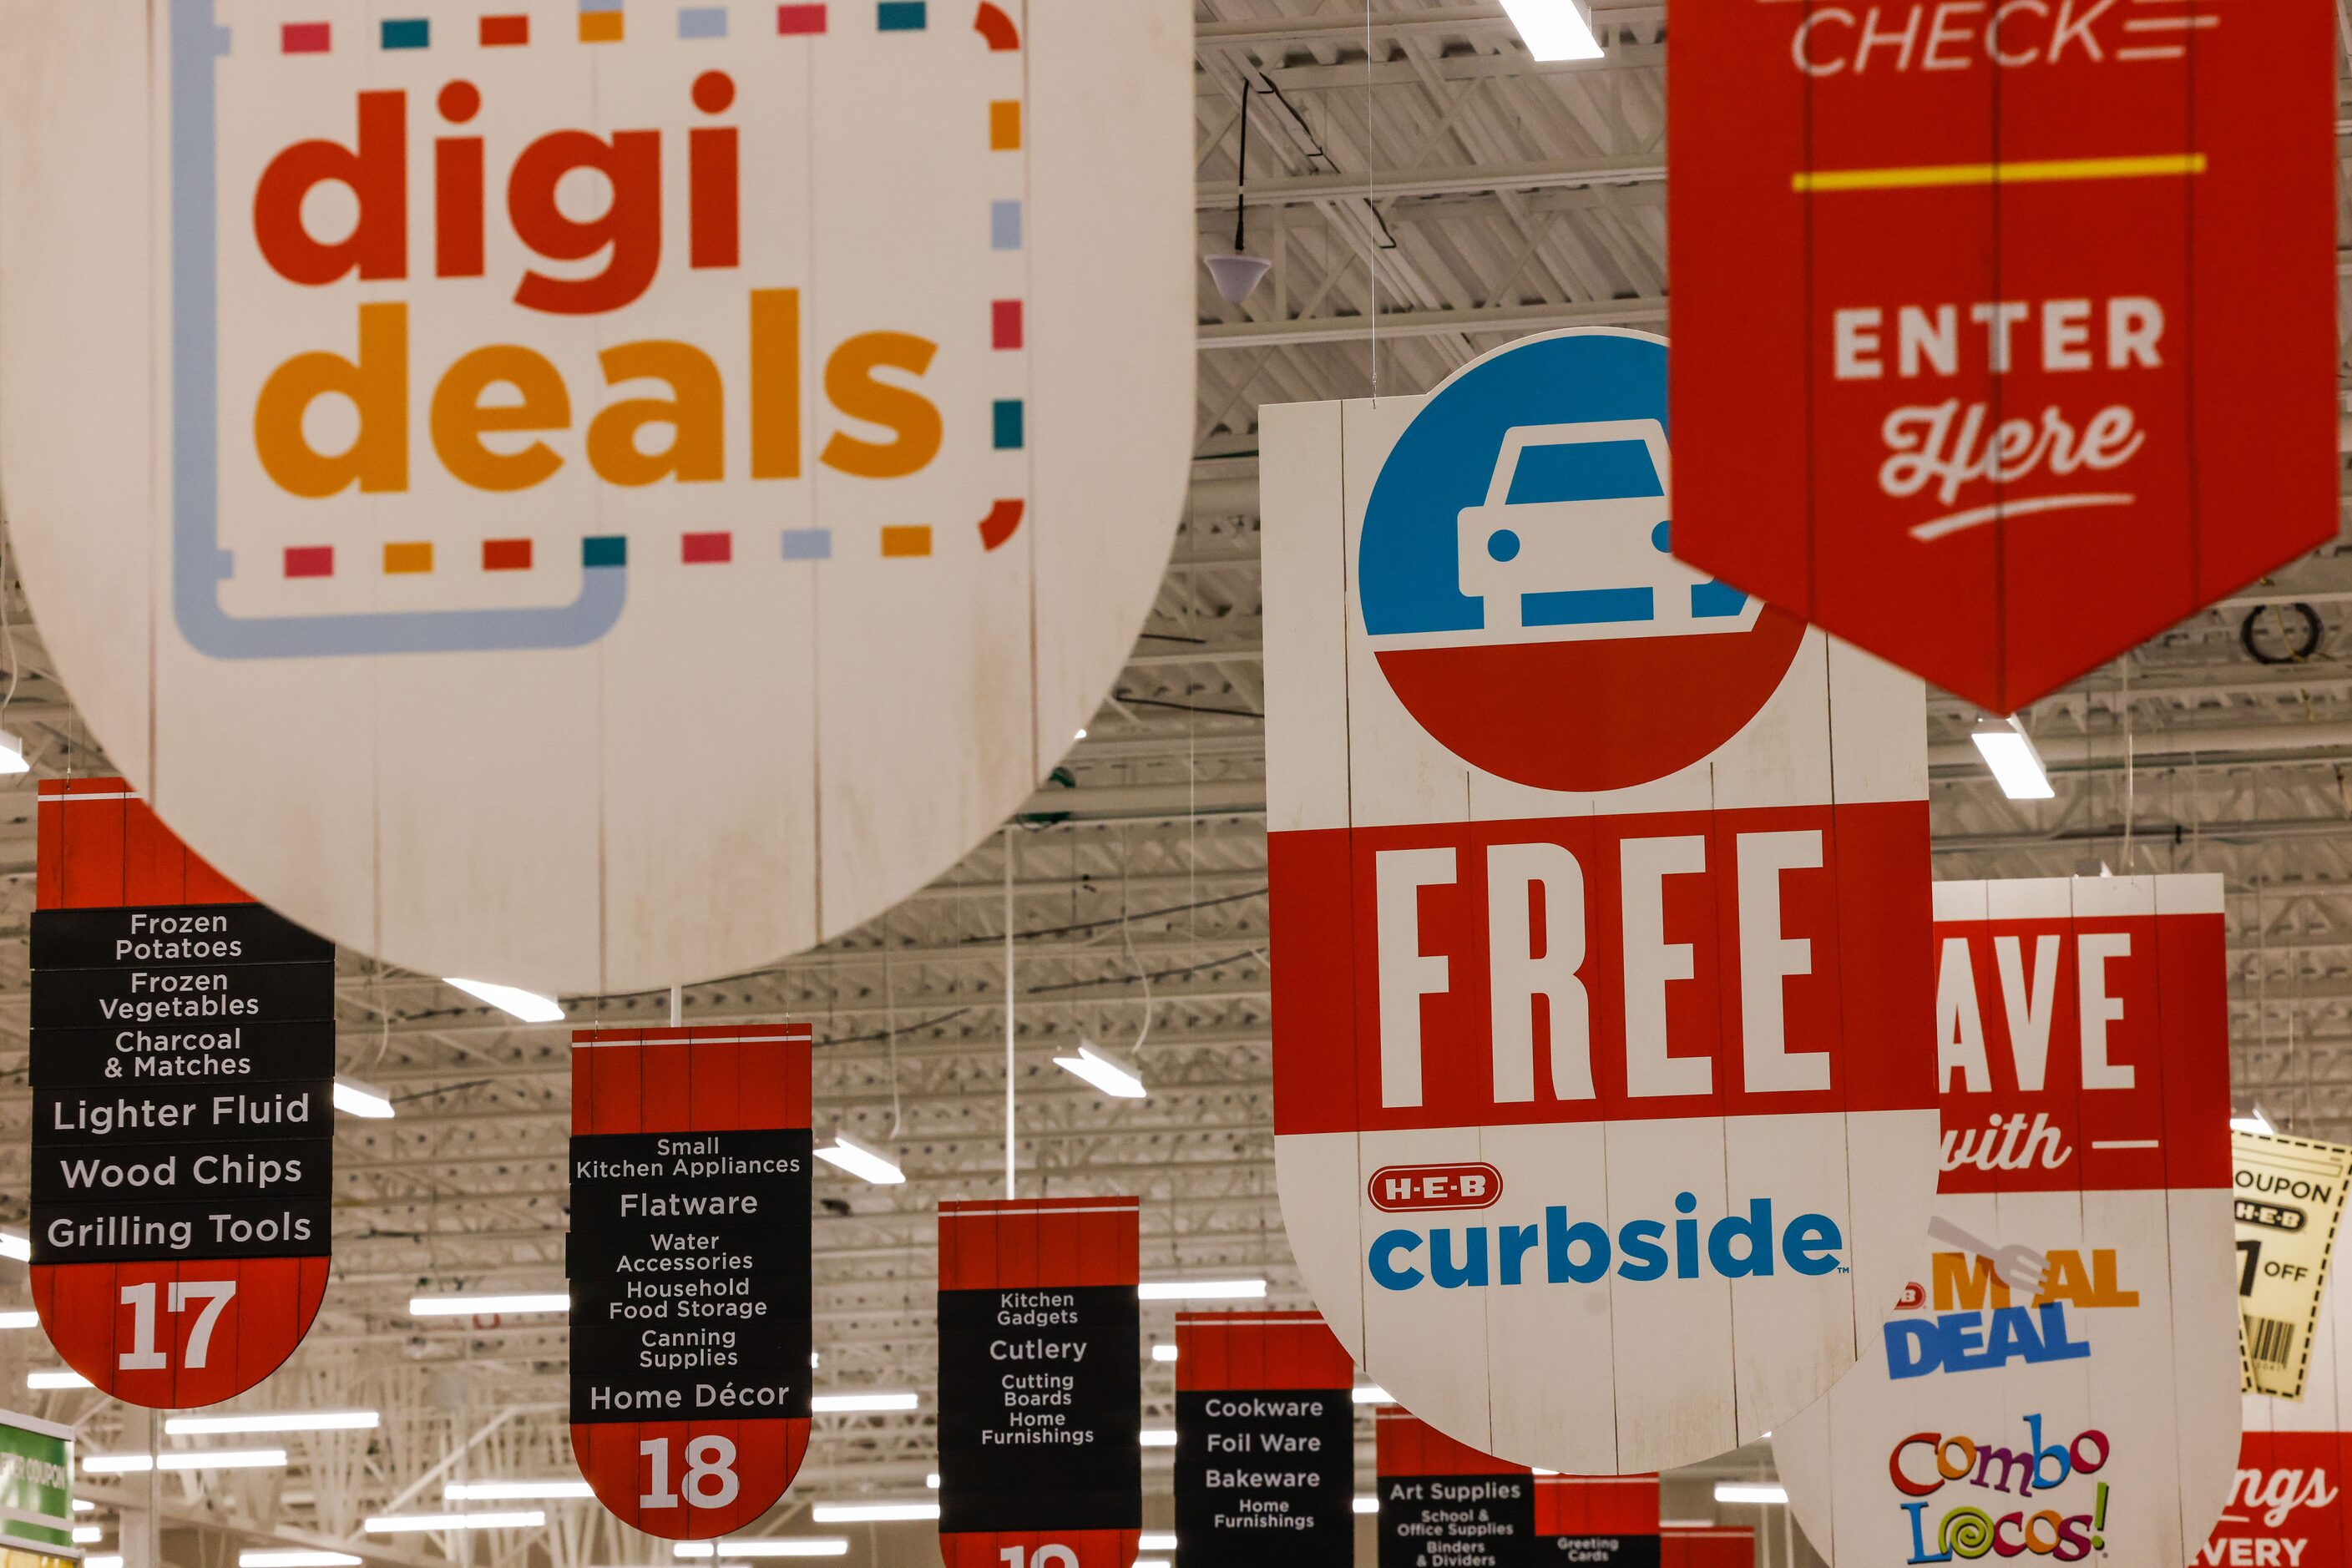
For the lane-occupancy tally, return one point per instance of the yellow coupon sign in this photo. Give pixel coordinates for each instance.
(2290, 1196)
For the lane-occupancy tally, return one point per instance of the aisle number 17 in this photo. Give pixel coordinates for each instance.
(144, 1354)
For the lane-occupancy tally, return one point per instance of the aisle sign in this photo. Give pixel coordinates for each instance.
(2060, 1379)
(1443, 1505)
(36, 1518)
(1603, 1102)
(689, 1262)
(2289, 1201)
(2010, 330)
(182, 1075)
(517, 371)
(2288, 1509)
(1266, 1442)
(1606, 1522)
(1041, 1384)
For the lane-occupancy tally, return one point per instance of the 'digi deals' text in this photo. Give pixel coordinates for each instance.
(1925, 1464)
(444, 252)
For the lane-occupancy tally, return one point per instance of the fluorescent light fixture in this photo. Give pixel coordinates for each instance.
(353, 1097)
(57, 1380)
(15, 1247)
(413, 1523)
(1159, 1437)
(1371, 1394)
(868, 1164)
(1367, 1503)
(2016, 766)
(1752, 1493)
(1555, 30)
(272, 1421)
(1163, 1352)
(485, 1306)
(847, 1404)
(85, 1535)
(2253, 1121)
(694, 1549)
(774, 1546)
(527, 1005)
(1109, 1075)
(187, 1459)
(1081, 735)
(296, 1558)
(1202, 1290)
(83, 1505)
(1151, 1563)
(873, 1512)
(514, 1491)
(24, 1319)
(1157, 1540)
(12, 754)
(103, 1560)
(932, 1481)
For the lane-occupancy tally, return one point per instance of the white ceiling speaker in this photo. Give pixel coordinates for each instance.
(1238, 274)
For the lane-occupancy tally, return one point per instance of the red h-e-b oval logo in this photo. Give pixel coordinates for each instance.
(1476, 1185)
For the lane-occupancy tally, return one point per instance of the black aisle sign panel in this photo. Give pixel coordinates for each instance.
(689, 1261)
(1266, 1442)
(183, 1070)
(1036, 1380)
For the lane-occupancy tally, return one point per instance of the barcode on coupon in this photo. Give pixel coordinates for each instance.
(2269, 1341)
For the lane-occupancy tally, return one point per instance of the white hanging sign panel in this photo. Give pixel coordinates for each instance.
(2061, 1382)
(1604, 1102)
(659, 481)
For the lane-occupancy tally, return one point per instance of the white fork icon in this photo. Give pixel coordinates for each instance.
(2019, 1266)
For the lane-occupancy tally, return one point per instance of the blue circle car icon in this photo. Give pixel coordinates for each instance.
(1572, 539)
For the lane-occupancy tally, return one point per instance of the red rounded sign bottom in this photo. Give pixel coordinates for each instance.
(1586, 715)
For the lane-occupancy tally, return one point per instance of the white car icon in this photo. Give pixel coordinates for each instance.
(1594, 566)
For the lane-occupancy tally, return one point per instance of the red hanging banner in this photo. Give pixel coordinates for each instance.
(1266, 1442)
(2005, 334)
(688, 1260)
(1041, 1384)
(1445, 1502)
(182, 1075)
(1597, 1520)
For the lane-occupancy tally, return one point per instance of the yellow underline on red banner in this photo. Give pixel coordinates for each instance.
(2041, 171)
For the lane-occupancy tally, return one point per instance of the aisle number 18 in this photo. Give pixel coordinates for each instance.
(1044, 1557)
(709, 1481)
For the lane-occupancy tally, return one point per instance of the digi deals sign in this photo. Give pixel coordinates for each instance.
(525, 378)
(2009, 330)
(2287, 1508)
(2061, 1385)
(1602, 900)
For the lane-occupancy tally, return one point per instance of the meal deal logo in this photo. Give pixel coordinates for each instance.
(1516, 582)
(528, 365)
(2059, 1383)
(1589, 1145)
(2048, 287)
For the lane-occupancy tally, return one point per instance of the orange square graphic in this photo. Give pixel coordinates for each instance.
(400, 560)
(1004, 125)
(911, 539)
(602, 27)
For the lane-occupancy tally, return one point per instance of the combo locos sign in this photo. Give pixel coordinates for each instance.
(1601, 887)
(511, 367)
